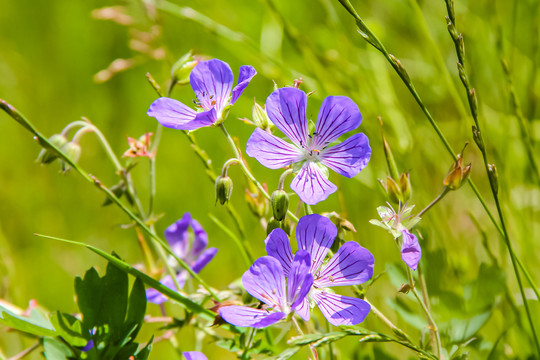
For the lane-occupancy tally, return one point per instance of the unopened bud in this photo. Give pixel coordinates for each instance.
(73, 152)
(286, 226)
(399, 67)
(272, 225)
(457, 175)
(477, 136)
(280, 204)
(405, 186)
(260, 117)
(46, 155)
(182, 68)
(224, 187)
(393, 191)
(493, 177)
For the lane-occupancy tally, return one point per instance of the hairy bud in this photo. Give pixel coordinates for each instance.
(46, 156)
(224, 188)
(280, 204)
(73, 152)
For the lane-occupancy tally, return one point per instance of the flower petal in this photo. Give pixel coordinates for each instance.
(278, 246)
(155, 297)
(315, 234)
(286, 107)
(303, 309)
(338, 115)
(206, 256)
(311, 185)
(175, 115)
(300, 279)
(271, 151)
(194, 355)
(248, 317)
(177, 236)
(350, 265)
(341, 310)
(265, 281)
(212, 82)
(349, 157)
(411, 252)
(245, 74)
(200, 239)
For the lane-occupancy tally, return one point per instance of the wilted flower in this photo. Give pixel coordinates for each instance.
(189, 247)
(266, 281)
(212, 83)
(138, 147)
(286, 108)
(350, 265)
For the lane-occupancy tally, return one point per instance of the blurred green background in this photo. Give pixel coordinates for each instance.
(50, 53)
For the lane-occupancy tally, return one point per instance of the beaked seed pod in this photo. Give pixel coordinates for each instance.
(224, 187)
(405, 185)
(260, 117)
(280, 204)
(46, 155)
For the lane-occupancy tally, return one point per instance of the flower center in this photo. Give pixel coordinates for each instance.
(311, 148)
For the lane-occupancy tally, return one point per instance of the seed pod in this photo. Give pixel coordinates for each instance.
(405, 186)
(280, 204)
(224, 188)
(393, 191)
(260, 117)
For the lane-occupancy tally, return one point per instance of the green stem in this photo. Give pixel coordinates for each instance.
(437, 199)
(17, 116)
(388, 323)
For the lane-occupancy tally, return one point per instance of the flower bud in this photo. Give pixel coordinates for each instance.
(493, 177)
(73, 151)
(393, 190)
(46, 155)
(457, 174)
(224, 187)
(286, 226)
(272, 224)
(182, 68)
(260, 117)
(280, 204)
(405, 186)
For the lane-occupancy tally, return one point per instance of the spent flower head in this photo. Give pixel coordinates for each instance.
(311, 154)
(212, 82)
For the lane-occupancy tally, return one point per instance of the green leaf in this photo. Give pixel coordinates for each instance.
(55, 350)
(36, 324)
(69, 328)
(136, 306)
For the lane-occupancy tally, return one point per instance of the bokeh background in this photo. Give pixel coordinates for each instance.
(52, 60)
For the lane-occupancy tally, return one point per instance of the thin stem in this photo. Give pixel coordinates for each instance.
(437, 199)
(300, 332)
(246, 170)
(72, 125)
(282, 178)
(387, 321)
(24, 353)
(227, 164)
(307, 209)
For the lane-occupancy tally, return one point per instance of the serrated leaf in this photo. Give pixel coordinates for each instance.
(36, 325)
(69, 328)
(55, 350)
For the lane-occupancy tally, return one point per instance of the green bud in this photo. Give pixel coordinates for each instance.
(182, 68)
(272, 224)
(458, 174)
(224, 187)
(260, 117)
(405, 186)
(73, 152)
(46, 156)
(493, 177)
(280, 204)
(393, 191)
(286, 226)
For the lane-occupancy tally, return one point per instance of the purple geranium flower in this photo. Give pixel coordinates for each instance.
(286, 108)
(192, 251)
(410, 249)
(265, 281)
(194, 355)
(350, 265)
(212, 82)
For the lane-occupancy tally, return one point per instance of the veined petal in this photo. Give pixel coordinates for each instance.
(155, 297)
(278, 246)
(303, 309)
(311, 185)
(200, 239)
(350, 265)
(194, 355)
(315, 234)
(245, 74)
(286, 107)
(175, 115)
(300, 279)
(265, 281)
(206, 256)
(338, 115)
(177, 236)
(411, 252)
(341, 310)
(212, 82)
(248, 317)
(349, 157)
(271, 151)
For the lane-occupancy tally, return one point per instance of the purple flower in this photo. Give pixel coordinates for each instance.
(194, 355)
(188, 247)
(286, 108)
(212, 82)
(350, 265)
(266, 281)
(410, 249)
